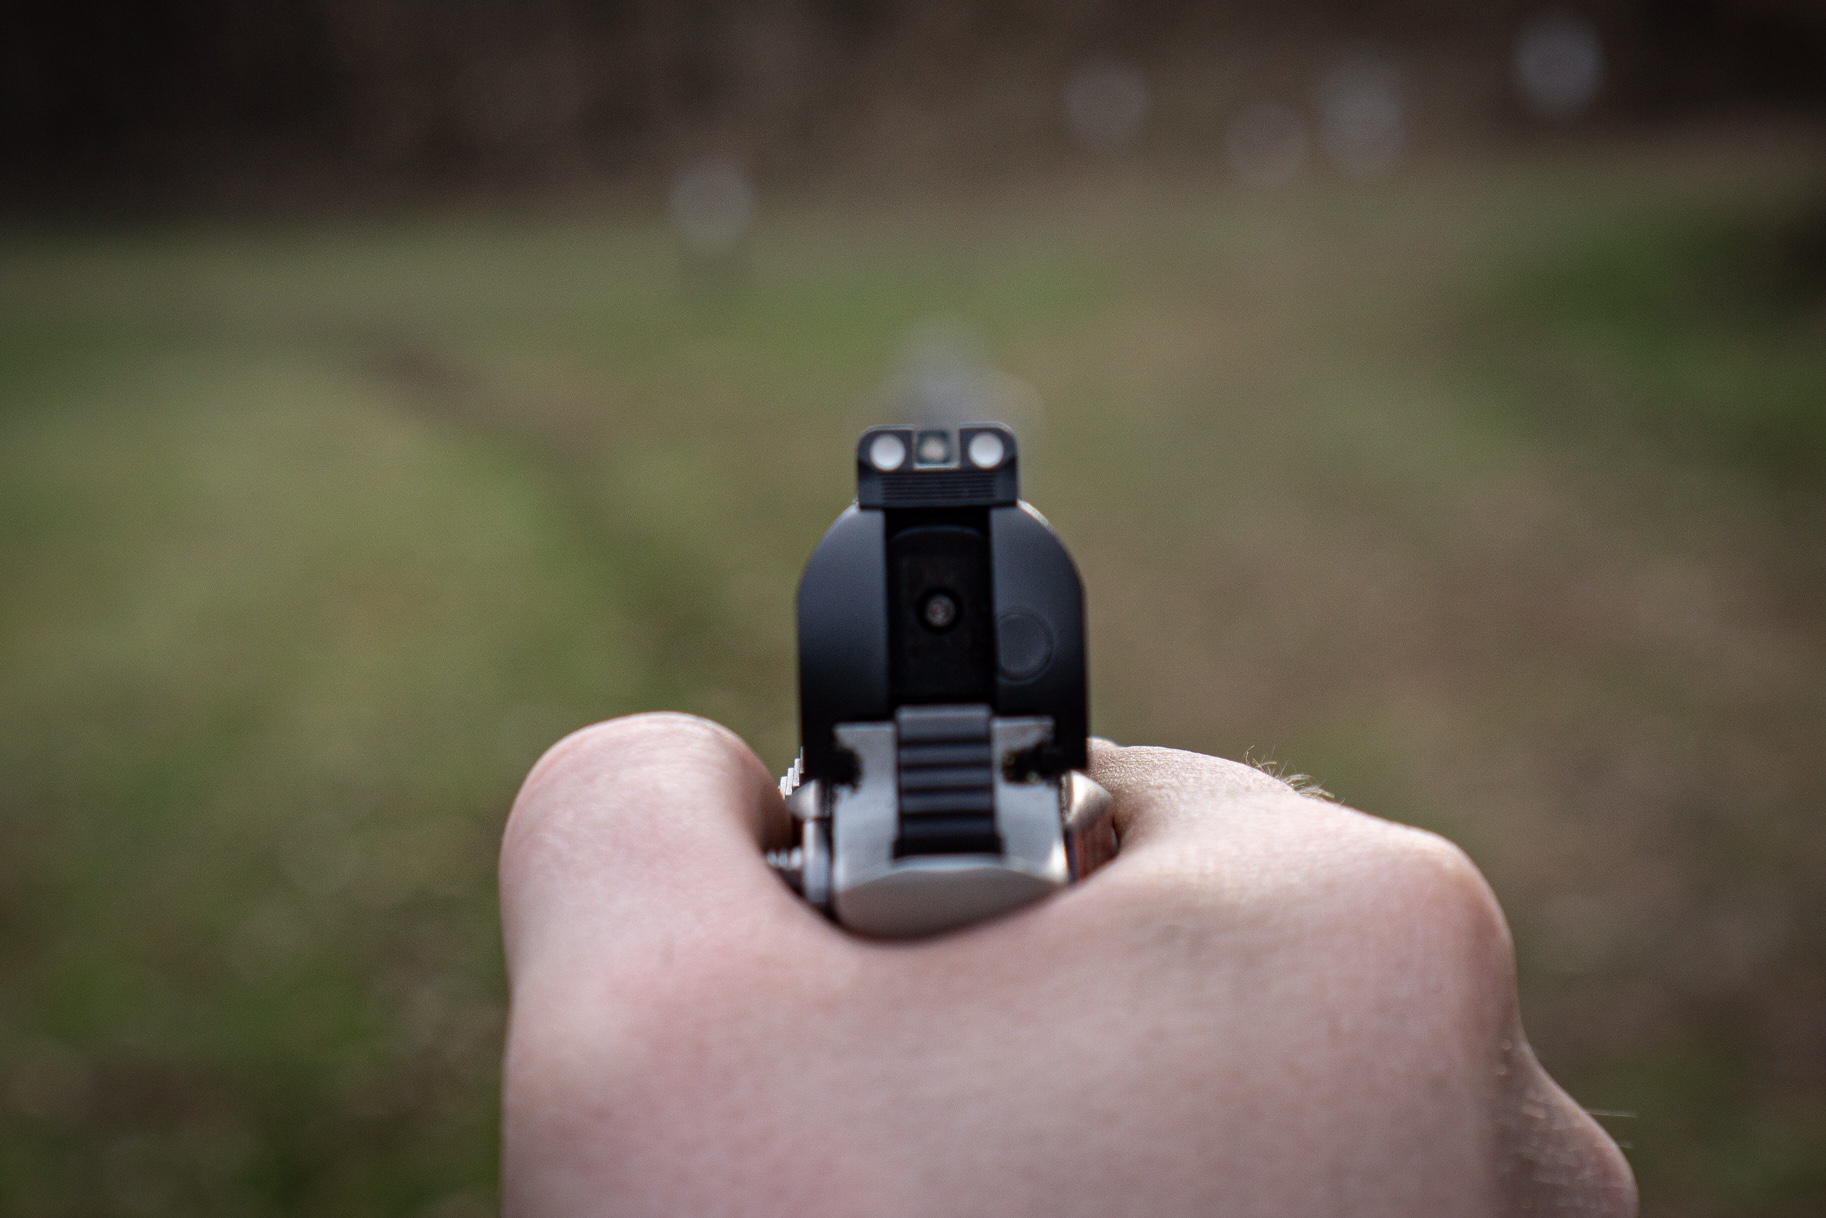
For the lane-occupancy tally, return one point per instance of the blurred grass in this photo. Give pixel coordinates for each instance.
(1491, 496)
(1705, 331)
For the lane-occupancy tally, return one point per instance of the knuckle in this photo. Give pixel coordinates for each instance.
(1452, 931)
(1438, 868)
(1443, 888)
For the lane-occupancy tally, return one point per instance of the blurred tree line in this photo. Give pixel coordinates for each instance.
(157, 99)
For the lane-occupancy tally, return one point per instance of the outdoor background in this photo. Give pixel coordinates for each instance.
(1433, 396)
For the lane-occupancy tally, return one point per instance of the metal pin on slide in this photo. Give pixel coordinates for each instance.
(942, 702)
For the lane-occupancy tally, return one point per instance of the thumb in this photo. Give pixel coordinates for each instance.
(632, 833)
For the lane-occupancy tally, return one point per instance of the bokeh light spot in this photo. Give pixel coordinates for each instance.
(1558, 65)
(1106, 105)
(712, 207)
(1363, 116)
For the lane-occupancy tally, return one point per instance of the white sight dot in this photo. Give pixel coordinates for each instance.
(887, 452)
(986, 450)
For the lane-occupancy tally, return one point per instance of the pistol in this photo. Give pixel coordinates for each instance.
(942, 696)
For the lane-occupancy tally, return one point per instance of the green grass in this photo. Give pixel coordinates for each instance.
(1485, 495)
(1707, 334)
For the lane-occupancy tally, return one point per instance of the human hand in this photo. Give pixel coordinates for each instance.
(1267, 1004)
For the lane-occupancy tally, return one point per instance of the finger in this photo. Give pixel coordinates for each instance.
(1240, 831)
(1168, 792)
(1555, 1158)
(632, 833)
(1411, 903)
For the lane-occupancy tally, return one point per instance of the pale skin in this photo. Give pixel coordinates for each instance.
(1267, 1004)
